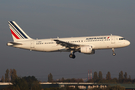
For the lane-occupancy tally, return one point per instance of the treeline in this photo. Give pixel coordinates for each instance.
(10, 75)
(20, 83)
(31, 83)
(70, 80)
(122, 78)
(24, 83)
(98, 78)
(50, 79)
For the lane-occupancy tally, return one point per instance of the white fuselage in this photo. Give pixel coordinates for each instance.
(86, 45)
(97, 42)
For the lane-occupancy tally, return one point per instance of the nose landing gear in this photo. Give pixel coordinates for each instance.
(113, 52)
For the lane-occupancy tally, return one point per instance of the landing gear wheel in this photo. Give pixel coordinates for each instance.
(72, 56)
(114, 54)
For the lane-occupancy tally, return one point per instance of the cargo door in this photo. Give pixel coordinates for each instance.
(32, 45)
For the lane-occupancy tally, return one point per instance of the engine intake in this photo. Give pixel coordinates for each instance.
(87, 50)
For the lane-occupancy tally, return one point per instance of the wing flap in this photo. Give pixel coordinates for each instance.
(66, 44)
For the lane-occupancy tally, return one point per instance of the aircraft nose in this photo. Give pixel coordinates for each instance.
(128, 43)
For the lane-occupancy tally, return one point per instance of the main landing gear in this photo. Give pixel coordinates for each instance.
(113, 52)
(72, 55)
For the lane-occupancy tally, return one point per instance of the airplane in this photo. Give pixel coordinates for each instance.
(86, 45)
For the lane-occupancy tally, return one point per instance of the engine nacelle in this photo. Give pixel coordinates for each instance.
(87, 50)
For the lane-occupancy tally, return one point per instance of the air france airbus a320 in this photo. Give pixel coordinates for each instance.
(86, 45)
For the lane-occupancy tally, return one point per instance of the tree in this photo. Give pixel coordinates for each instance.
(121, 76)
(7, 76)
(14, 75)
(20, 83)
(125, 75)
(62, 79)
(114, 80)
(50, 78)
(95, 77)
(129, 78)
(108, 76)
(100, 75)
(10, 74)
(32, 82)
(2, 79)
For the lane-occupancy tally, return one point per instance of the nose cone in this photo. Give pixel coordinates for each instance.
(127, 43)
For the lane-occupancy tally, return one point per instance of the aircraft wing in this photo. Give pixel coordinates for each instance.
(67, 44)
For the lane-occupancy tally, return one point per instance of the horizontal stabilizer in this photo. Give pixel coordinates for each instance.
(13, 43)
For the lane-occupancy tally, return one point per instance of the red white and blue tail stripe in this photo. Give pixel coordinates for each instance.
(17, 32)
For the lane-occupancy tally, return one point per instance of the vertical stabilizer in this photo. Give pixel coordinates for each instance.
(16, 31)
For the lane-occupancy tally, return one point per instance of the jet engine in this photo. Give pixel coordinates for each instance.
(87, 50)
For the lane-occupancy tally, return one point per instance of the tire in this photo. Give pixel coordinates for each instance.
(114, 54)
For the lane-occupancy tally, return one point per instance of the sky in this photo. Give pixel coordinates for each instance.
(67, 18)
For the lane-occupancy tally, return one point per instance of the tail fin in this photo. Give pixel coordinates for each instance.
(17, 33)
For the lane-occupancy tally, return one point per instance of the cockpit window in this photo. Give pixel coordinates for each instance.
(121, 38)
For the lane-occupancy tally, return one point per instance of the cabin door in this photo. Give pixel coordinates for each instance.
(112, 39)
